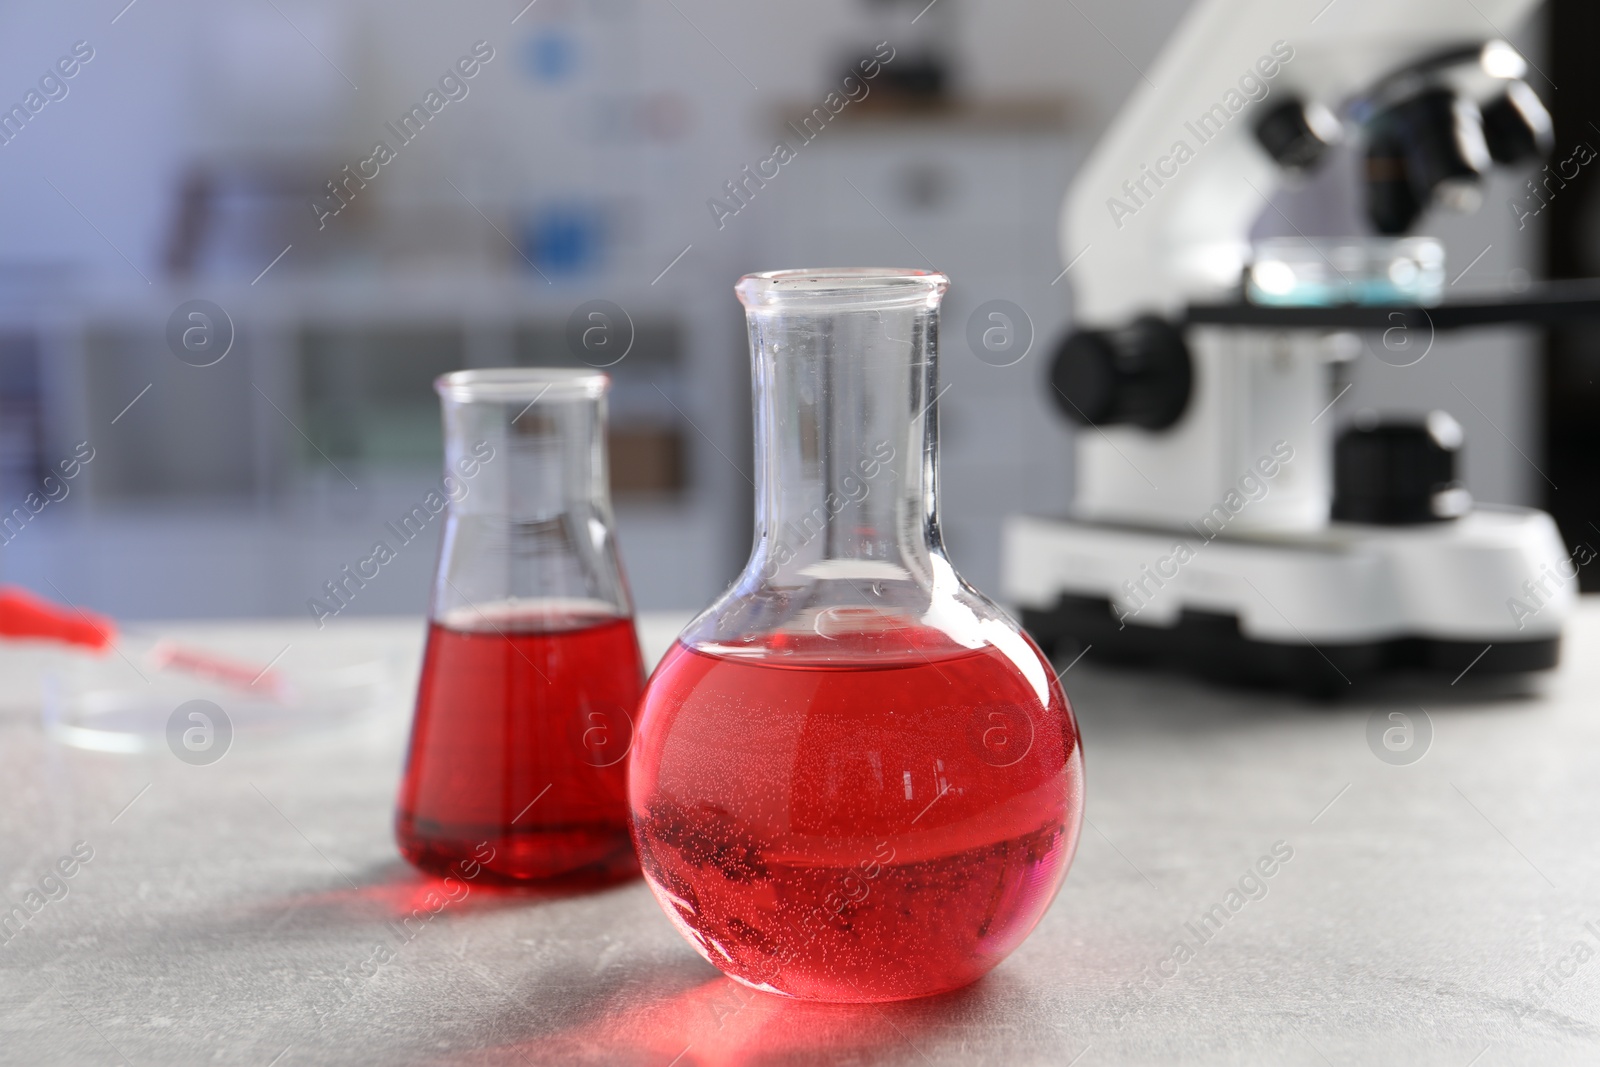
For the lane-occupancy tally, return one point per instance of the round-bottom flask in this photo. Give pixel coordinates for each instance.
(854, 778)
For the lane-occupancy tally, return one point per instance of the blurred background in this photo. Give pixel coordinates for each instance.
(201, 152)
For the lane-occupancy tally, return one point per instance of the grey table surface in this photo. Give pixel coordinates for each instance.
(1441, 912)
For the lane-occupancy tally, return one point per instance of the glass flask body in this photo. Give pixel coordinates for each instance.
(531, 674)
(854, 778)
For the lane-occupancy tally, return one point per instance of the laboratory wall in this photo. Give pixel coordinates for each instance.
(536, 157)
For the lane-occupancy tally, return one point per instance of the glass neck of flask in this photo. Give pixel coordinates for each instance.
(527, 461)
(528, 539)
(846, 430)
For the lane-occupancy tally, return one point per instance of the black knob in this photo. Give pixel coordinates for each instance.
(1516, 125)
(1296, 134)
(1399, 473)
(1140, 375)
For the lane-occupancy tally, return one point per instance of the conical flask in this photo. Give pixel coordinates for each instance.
(532, 672)
(854, 778)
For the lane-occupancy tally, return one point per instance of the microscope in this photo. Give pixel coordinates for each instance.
(1219, 526)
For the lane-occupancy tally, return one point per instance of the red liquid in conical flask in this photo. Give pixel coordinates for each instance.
(856, 828)
(519, 741)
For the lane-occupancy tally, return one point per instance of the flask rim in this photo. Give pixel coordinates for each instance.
(841, 288)
(527, 384)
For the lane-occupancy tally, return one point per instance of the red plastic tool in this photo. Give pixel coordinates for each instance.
(24, 615)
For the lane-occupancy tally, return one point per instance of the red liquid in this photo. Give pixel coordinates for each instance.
(885, 827)
(519, 742)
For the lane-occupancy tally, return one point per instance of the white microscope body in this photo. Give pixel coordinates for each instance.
(1207, 542)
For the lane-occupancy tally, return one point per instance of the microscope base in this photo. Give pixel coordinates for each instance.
(1316, 612)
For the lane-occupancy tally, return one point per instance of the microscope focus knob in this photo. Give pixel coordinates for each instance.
(1517, 126)
(1139, 375)
(1399, 473)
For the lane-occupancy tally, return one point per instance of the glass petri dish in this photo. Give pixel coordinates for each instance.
(128, 699)
(1326, 271)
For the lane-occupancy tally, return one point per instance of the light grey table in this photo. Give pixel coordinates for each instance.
(1442, 912)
